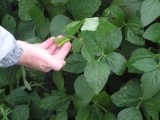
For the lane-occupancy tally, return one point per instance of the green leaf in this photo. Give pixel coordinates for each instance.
(153, 103)
(24, 7)
(150, 10)
(136, 55)
(153, 33)
(76, 45)
(102, 99)
(150, 114)
(82, 89)
(109, 116)
(87, 53)
(36, 15)
(129, 95)
(150, 83)
(58, 24)
(61, 115)
(72, 28)
(17, 96)
(8, 75)
(58, 80)
(42, 29)
(57, 101)
(146, 65)
(115, 14)
(90, 24)
(131, 7)
(9, 23)
(20, 113)
(130, 114)
(116, 62)
(75, 63)
(26, 30)
(89, 113)
(83, 9)
(97, 74)
(59, 2)
(133, 31)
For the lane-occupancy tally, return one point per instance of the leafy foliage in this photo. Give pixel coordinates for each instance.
(111, 73)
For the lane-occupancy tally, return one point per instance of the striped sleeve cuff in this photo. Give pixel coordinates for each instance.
(12, 57)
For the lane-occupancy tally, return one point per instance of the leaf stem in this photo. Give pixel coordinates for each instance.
(140, 103)
(105, 110)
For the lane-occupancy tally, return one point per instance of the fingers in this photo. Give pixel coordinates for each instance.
(63, 51)
(46, 44)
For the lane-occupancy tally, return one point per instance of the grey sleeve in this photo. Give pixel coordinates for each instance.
(10, 51)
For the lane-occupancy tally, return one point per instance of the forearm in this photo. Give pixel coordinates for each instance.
(10, 51)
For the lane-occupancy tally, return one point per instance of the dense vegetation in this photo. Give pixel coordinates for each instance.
(112, 70)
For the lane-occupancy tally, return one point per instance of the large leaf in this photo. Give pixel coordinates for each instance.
(57, 101)
(24, 7)
(146, 65)
(83, 9)
(20, 113)
(26, 30)
(17, 96)
(153, 103)
(131, 7)
(150, 83)
(150, 114)
(138, 54)
(130, 114)
(153, 33)
(96, 74)
(109, 116)
(75, 63)
(86, 93)
(129, 95)
(115, 14)
(134, 31)
(150, 10)
(89, 113)
(58, 24)
(116, 62)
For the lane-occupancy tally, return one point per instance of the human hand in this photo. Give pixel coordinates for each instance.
(45, 56)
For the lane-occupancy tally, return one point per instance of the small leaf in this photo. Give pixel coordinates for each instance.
(130, 114)
(97, 74)
(153, 33)
(148, 13)
(150, 83)
(90, 24)
(20, 113)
